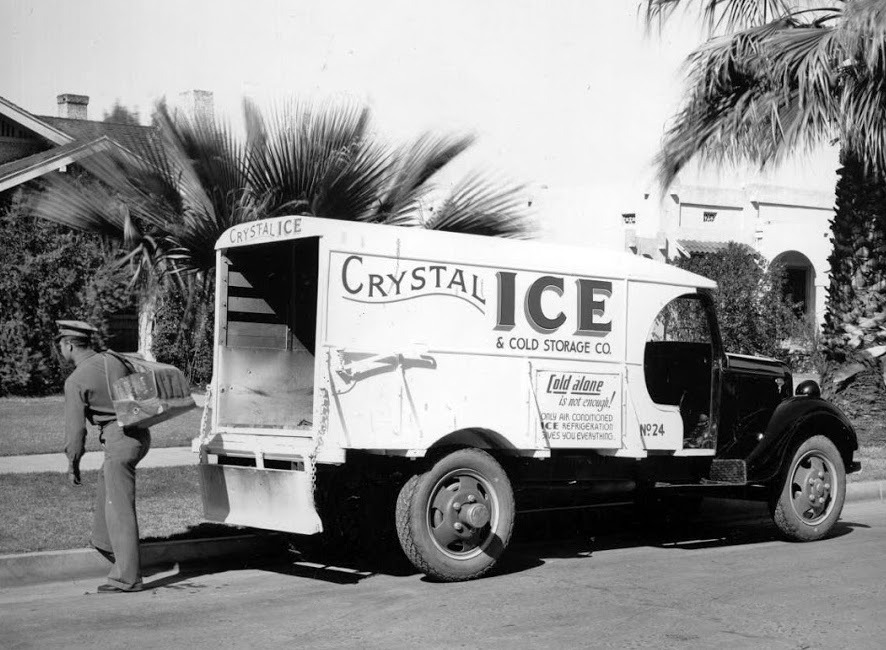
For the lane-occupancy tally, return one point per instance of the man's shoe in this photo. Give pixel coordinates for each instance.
(113, 589)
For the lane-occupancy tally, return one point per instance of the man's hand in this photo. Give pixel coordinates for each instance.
(74, 473)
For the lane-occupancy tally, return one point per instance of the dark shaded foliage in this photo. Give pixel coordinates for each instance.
(48, 272)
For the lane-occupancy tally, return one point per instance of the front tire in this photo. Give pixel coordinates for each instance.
(812, 489)
(455, 520)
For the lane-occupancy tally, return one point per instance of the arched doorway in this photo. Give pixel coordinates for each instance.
(799, 281)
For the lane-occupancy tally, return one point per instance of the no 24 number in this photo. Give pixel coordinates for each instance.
(652, 430)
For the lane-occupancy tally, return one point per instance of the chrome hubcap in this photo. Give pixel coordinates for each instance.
(812, 485)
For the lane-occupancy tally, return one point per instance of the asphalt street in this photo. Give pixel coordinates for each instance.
(724, 581)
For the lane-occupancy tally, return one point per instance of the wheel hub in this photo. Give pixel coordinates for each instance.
(812, 480)
(475, 515)
(461, 513)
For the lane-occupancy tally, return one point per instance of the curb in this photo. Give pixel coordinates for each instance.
(23, 569)
(866, 491)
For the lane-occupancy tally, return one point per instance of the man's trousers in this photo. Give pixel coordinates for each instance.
(115, 526)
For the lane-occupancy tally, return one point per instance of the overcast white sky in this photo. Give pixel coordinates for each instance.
(570, 94)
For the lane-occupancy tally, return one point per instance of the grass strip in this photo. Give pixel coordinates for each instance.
(873, 465)
(35, 425)
(41, 512)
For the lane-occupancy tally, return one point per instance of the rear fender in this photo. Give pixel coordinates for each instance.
(478, 438)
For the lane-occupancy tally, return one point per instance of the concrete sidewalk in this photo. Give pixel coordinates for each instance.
(157, 457)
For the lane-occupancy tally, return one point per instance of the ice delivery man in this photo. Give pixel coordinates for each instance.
(87, 397)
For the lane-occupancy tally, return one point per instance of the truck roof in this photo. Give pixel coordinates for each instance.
(498, 251)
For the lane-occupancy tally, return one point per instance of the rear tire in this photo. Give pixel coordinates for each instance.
(455, 520)
(811, 491)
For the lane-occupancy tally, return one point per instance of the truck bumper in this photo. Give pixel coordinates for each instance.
(261, 498)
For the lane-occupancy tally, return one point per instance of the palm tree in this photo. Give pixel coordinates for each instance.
(168, 202)
(776, 77)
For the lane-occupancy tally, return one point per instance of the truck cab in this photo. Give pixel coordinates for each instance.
(462, 373)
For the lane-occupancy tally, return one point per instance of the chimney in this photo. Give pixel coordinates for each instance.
(72, 106)
(198, 105)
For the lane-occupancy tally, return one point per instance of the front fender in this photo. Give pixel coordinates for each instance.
(795, 419)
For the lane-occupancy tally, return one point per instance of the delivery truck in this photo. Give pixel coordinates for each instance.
(368, 376)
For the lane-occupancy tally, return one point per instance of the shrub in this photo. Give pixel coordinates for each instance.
(755, 316)
(48, 272)
(183, 336)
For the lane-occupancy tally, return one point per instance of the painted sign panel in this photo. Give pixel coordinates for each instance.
(478, 309)
(580, 409)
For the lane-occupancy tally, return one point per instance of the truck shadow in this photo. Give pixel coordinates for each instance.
(538, 537)
(582, 533)
(721, 523)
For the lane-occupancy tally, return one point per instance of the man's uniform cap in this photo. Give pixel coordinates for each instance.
(78, 328)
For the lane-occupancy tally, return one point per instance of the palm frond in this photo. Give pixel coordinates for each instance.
(87, 207)
(306, 155)
(208, 161)
(863, 30)
(813, 73)
(91, 207)
(863, 121)
(721, 17)
(480, 205)
(414, 166)
(756, 96)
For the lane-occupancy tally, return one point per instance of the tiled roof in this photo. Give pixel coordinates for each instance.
(13, 167)
(132, 137)
(698, 247)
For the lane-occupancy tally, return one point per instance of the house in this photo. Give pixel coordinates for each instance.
(32, 146)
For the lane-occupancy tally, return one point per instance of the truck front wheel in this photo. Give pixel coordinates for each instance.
(455, 520)
(810, 497)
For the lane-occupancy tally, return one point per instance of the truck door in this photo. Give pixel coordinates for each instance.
(682, 365)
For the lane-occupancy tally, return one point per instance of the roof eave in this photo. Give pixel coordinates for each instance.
(55, 162)
(32, 123)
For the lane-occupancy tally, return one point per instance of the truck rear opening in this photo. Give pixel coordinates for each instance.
(264, 387)
(266, 357)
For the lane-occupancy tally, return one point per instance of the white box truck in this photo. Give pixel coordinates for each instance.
(457, 370)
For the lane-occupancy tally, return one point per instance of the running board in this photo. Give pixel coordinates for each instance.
(728, 472)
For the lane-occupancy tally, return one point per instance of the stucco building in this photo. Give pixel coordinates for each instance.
(784, 213)
(787, 225)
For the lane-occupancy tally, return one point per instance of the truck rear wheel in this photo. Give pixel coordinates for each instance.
(812, 490)
(455, 520)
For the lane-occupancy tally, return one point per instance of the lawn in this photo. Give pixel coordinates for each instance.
(35, 425)
(41, 512)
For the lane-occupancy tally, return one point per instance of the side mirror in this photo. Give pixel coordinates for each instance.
(809, 388)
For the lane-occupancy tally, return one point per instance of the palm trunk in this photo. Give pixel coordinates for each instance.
(854, 333)
(147, 310)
